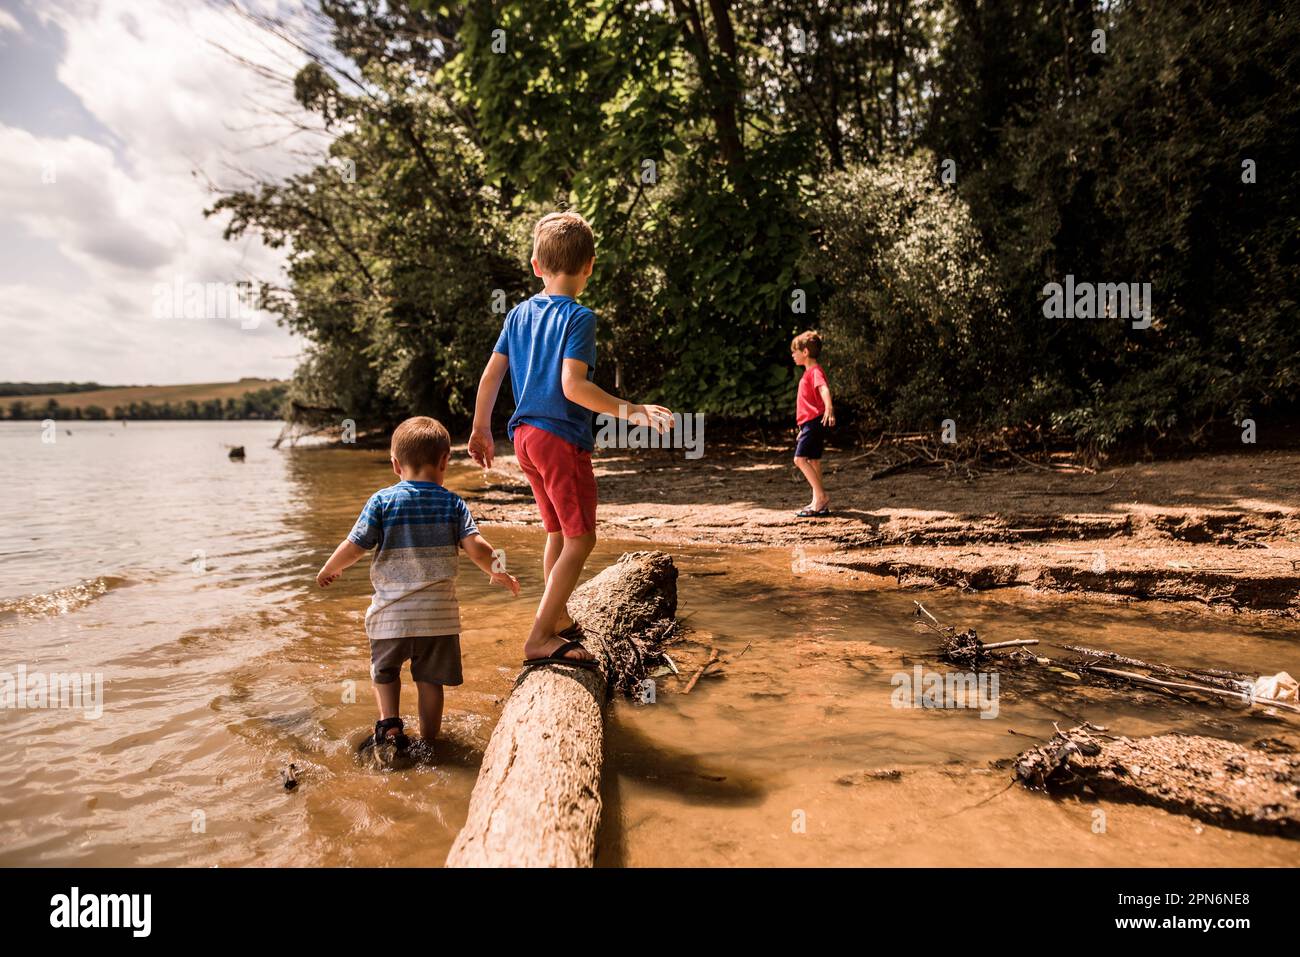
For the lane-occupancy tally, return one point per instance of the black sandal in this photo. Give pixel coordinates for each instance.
(813, 513)
(556, 657)
(399, 740)
(573, 633)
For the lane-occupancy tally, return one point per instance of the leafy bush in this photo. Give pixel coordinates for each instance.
(914, 327)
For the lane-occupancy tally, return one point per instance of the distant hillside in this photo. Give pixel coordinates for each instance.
(245, 399)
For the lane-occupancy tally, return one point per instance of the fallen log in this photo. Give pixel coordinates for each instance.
(537, 800)
(1247, 789)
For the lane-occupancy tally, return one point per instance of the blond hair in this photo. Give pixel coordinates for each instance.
(810, 340)
(563, 243)
(419, 442)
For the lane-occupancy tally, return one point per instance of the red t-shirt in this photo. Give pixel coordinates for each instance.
(810, 405)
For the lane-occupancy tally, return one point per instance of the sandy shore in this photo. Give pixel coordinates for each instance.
(1222, 531)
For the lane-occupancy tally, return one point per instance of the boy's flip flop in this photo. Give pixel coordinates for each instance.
(811, 513)
(572, 633)
(556, 657)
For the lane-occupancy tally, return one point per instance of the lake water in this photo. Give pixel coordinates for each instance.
(144, 555)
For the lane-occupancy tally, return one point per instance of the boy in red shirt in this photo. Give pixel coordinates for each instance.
(813, 410)
(548, 346)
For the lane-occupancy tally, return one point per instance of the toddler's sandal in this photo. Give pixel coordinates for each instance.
(399, 740)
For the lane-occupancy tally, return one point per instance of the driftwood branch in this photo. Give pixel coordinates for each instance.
(1229, 680)
(1250, 789)
(962, 647)
(714, 658)
(1240, 695)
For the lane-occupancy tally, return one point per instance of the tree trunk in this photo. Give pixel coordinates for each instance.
(537, 799)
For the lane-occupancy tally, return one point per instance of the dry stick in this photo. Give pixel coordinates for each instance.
(1032, 464)
(925, 611)
(983, 647)
(983, 802)
(1204, 689)
(896, 467)
(1095, 491)
(713, 659)
(870, 451)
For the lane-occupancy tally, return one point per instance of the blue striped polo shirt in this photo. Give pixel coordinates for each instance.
(416, 528)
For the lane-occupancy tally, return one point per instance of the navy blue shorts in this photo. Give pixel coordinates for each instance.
(809, 443)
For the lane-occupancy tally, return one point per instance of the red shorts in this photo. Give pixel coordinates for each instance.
(562, 480)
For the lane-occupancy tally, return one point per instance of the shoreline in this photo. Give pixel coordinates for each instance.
(1216, 531)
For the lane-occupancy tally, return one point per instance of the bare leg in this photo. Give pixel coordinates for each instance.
(554, 546)
(430, 709)
(812, 471)
(559, 586)
(388, 696)
(820, 498)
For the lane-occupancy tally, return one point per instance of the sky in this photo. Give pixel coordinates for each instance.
(117, 119)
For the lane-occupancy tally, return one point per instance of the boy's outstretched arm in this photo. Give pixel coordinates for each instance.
(578, 389)
(344, 557)
(481, 446)
(482, 555)
(828, 417)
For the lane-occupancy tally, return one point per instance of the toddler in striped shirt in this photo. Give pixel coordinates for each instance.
(416, 528)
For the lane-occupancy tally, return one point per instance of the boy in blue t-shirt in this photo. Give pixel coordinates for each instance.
(548, 346)
(416, 527)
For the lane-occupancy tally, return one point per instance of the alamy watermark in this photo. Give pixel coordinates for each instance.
(21, 689)
(179, 299)
(951, 689)
(75, 909)
(686, 432)
(1087, 300)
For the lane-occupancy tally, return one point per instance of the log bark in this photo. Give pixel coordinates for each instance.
(537, 799)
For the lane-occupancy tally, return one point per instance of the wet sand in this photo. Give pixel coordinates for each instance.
(1221, 532)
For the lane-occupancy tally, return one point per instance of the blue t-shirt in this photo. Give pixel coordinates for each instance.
(538, 335)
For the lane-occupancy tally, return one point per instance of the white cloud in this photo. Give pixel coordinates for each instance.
(123, 209)
(9, 23)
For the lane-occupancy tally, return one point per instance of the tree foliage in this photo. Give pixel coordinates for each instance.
(737, 159)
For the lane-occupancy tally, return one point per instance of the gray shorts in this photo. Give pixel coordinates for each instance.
(435, 660)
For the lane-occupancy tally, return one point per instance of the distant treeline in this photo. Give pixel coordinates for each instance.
(49, 388)
(262, 404)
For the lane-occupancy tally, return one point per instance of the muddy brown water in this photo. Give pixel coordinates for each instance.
(142, 554)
